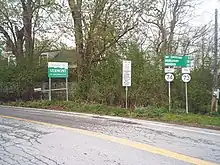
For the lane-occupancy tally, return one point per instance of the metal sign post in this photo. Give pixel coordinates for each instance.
(169, 77)
(169, 93)
(186, 78)
(67, 90)
(126, 79)
(49, 89)
(186, 91)
(126, 97)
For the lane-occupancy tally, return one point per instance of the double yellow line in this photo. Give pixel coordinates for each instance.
(126, 142)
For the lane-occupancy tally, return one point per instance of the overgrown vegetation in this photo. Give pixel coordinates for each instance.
(148, 85)
(17, 81)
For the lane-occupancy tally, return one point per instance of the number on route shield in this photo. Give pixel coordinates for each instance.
(186, 78)
(169, 77)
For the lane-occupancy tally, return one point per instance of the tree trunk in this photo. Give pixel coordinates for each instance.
(75, 8)
(214, 103)
(19, 42)
(83, 66)
(27, 21)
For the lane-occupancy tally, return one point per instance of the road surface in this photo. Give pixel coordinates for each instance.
(33, 136)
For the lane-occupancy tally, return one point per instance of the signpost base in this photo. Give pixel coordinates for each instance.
(67, 90)
(49, 89)
(169, 93)
(126, 97)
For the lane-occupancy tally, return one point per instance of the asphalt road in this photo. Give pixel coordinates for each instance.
(31, 136)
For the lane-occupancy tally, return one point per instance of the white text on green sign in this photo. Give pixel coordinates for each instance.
(57, 70)
(180, 61)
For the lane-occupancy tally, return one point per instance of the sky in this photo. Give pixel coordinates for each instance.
(205, 12)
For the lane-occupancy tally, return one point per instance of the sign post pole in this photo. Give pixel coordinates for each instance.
(126, 97)
(49, 89)
(186, 78)
(187, 106)
(67, 90)
(169, 91)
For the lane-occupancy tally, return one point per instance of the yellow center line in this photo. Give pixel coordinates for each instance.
(126, 142)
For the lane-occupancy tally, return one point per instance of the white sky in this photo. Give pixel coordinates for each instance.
(205, 12)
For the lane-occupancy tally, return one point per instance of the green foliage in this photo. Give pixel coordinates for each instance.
(148, 85)
(152, 112)
(217, 114)
(15, 80)
(195, 119)
(106, 82)
(200, 90)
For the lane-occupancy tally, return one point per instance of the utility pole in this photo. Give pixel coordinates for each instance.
(215, 73)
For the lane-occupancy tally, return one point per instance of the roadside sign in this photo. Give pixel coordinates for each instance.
(169, 77)
(169, 70)
(12, 60)
(178, 61)
(57, 69)
(186, 70)
(186, 78)
(37, 89)
(216, 93)
(126, 75)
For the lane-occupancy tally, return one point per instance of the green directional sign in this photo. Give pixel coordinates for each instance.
(179, 61)
(57, 69)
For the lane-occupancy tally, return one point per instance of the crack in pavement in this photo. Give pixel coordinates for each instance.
(17, 144)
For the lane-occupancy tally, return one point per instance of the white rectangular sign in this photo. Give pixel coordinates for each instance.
(37, 89)
(63, 65)
(126, 75)
(169, 70)
(186, 70)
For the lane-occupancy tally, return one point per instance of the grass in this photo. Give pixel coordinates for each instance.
(211, 120)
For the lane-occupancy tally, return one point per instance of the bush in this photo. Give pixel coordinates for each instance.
(17, 82)
(150, 112)
(215, 114)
